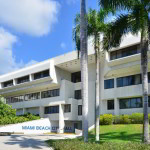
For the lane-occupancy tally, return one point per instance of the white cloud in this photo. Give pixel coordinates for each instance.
(33, 17)
(63, 45)
(7, 59)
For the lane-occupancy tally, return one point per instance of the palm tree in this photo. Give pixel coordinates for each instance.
(134, 18)
(84, 69)
(96, 26)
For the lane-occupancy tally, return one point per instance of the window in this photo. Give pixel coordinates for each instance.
(76, 77)
(50, 93)
(8, 83)
(149, 101)
(110, 104)
(79, 110)
(23, 79)
(42, 74)
(15, 99)
(32, 96)
(124, 52)
(67, 108)
(130, 103)
(78, 94)
(129, 80)
(108, 84)
(52, 110)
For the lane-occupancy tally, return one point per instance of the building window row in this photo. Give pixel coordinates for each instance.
(42, 74)
(125, 81)
(129, 80)
(8, 83)
(52, 110)
(50, 93)
(32, 96)
(130, 103)
(127, 103)
(24, 79)
(129, 51)
(14, 99)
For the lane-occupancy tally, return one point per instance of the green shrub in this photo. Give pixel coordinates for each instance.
(107, 119)
(116, 119)
(124, 119)
(136, 118)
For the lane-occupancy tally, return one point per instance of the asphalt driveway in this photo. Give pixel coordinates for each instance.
(28, 142)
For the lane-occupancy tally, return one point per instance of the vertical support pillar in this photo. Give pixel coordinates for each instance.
(61, 119)
(116, 102)
(14, 82)
(31, 77)
(41, 111)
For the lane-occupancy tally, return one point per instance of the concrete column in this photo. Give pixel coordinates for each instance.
(116, 104)
(41, 111)
(61, 119)
(24, 111)
(31, 77)
(14, 82)
(116, 100)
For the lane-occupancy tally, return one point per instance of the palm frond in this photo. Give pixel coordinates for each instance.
(118, 4)
(116, 30)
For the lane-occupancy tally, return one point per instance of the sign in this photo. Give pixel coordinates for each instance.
(34, 127)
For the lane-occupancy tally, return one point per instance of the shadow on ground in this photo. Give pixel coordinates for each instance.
(26, 142)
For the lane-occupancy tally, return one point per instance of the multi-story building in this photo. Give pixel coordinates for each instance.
(53, 88)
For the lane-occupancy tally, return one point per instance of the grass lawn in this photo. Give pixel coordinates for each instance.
(113, 137)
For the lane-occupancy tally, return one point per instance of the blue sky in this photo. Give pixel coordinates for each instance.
(35, 30)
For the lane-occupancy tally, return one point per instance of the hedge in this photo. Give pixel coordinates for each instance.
(135, 118)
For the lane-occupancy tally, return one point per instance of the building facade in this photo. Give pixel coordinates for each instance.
(52, 89)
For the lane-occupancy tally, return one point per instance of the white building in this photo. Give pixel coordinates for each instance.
(53, 88)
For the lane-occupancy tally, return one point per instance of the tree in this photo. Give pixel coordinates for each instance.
(96, 27)
(134, 17)
(84, 69)
(6, 110)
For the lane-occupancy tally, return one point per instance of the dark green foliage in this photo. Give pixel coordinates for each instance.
(6, 110)
(8, 115)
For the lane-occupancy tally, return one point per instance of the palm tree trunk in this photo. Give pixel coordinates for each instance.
(144, 63)
(97, 119)
(84, 69)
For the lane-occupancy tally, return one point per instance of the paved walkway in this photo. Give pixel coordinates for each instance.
(28, 142)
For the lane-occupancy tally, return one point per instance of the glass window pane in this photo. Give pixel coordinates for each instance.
(133, 102)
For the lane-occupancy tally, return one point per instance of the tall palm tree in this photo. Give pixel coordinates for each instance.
(84, 69)
(134, 18)
(96, 26)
